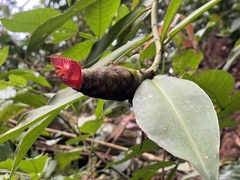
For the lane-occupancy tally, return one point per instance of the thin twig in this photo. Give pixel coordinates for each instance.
(103, 143)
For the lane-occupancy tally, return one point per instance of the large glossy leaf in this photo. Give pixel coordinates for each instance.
(99, 15)
(46, 28)
(100, 46)
(216, 83)
(28, 21)
(58, 102)
(171, 12)
(3, 54)
(179, 116)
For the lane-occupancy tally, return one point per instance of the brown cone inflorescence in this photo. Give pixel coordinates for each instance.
(111, 83)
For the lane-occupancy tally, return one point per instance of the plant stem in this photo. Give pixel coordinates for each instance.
(156, 37)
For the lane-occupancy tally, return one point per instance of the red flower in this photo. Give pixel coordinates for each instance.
(69, 71)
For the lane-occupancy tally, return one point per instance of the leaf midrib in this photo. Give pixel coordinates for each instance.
(195, 149)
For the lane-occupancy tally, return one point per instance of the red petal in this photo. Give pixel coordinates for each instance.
(69, 71)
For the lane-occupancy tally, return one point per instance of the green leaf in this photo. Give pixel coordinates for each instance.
(135, 151)
(7, 164)
(99, 108)
(18, 80)
(99, 47)
(46, 28)
(99, 15)
(190, 19)
(6, 151)
(234, 54)
(5, 84)
(77, 139)
(11, 111)
(179, 116)
(123, 11)
(186, 61)
(87, 36)
(225, 123)
(236, 43)
(60, 36)
(29, 20)
(34, 100)
(28, 75)
(230, 171)
(149, 52)
(171, 12)
(79, 51)
(217, 84)
(29, 138)
(34, 165)
(149, 171)
(91, 126)
(122, 51)
(3, 54)
(66, 158)
(232, 106)
(61, 100)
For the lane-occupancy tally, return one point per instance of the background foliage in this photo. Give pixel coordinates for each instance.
(71, 136)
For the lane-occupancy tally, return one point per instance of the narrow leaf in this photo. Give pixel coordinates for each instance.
(122, 51)
(3, 54)
(46, 28)
(190, 18)
(234, 54)
(29, 138)
(180, 117)
(100, 46)
(36, 115)
(171, 12)
(135, 151)
(149, 171)
(232, 106)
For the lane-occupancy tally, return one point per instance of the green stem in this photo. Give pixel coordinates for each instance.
(156, 38)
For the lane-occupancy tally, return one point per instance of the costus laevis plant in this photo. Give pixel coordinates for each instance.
(112, 82)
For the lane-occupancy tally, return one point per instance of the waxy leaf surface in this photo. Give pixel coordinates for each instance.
(179, 116)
